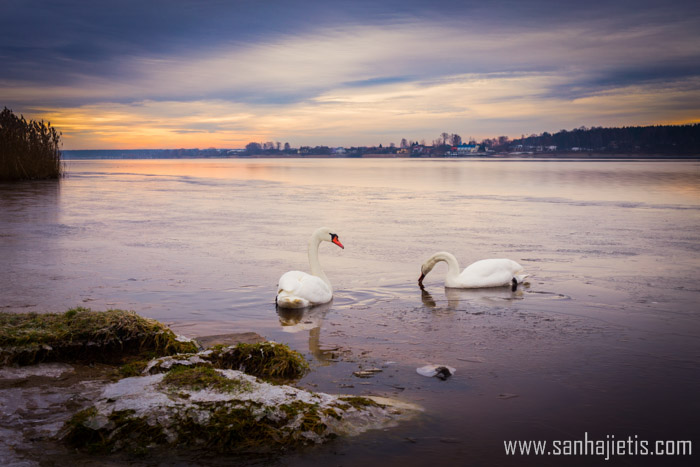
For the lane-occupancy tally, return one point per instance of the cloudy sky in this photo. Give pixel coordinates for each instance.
(176, 73)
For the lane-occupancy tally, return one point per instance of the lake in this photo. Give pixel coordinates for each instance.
(603, 342)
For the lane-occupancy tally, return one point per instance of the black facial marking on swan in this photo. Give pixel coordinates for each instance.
(442, 372)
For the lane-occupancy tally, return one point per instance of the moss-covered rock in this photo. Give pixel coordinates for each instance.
(83, 335)
(270, 361)
(221, 410)
(267, 360)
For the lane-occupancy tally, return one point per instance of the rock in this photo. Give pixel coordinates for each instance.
(368, 373)
(222, 410)
(208, 342)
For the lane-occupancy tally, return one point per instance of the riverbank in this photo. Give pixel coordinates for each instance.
(164, 155)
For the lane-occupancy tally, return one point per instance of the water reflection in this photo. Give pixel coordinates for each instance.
(295, 320)
(611, 321)
(629, 181)
(485, 295)
(30, 201)
(29, 229)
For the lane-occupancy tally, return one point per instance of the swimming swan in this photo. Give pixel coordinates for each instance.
(484, 273)
(297, 289)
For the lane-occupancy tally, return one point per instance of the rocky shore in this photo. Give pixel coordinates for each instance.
(158, 390)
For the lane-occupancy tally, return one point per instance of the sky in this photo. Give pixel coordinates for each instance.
(199, 74)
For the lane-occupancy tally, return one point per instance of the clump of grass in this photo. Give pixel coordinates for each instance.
(202, 377)
(81, 334)
(133, 368)
(267, 360)
(29, 150)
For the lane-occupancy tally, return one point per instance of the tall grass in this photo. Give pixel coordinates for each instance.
(28, 149)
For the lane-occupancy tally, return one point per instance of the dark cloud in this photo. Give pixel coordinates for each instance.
(379, 81)
(73, 42)
(85, 31)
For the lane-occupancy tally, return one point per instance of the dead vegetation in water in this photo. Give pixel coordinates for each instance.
(83, 335)
(29, 150)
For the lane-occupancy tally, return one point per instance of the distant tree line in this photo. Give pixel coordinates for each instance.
(29, 150)
(659, 139)
(269, 148)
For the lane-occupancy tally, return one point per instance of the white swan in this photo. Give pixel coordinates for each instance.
(484, 273)
(297, 289)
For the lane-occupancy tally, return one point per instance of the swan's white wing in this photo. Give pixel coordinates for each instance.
(489, 273)
(297, 289)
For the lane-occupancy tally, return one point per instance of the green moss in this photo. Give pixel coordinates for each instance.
(310, 417)
(121, 430)
(231, 428)
(219, 426)
(358, 402)
(311, 421)
(294, 409)
(202, 377)
(80, 434)
(228, 427)
(267, 360)
(134, 368)
(330, 412)
(81, 334)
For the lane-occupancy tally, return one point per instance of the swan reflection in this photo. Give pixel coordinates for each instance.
(295, 320)
(487, 295)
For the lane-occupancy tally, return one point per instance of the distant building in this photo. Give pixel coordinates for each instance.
(339, 151)
(463, 149)
(418, 149)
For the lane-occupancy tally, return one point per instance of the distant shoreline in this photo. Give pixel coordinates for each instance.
(494, 156)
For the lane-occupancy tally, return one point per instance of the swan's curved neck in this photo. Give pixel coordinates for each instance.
(314, 263)
(449, 258)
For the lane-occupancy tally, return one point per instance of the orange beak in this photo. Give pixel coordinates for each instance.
(337, 242)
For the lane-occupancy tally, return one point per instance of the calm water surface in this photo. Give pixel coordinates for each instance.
(604, 341)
